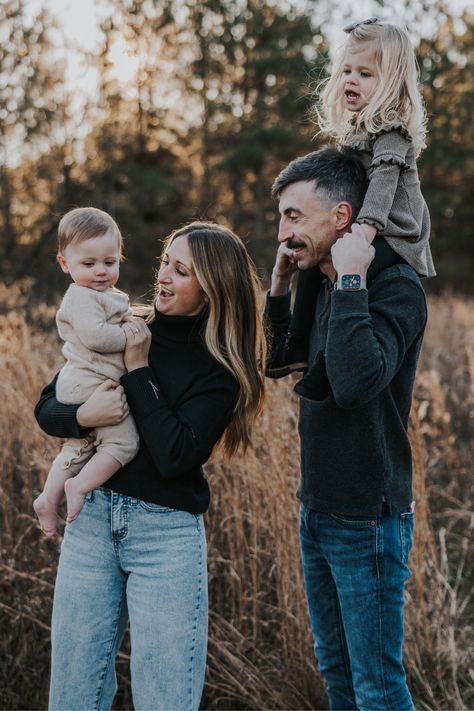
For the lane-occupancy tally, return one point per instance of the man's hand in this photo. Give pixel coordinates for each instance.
(351, 254)
(106, 406)
(285, 267)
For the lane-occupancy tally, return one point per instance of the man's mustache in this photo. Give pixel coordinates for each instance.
(292, 244)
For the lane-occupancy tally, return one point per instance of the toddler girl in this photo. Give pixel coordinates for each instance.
(90, 321)
(372, 104)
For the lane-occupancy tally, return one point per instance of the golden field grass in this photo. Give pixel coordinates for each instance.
(260, 650)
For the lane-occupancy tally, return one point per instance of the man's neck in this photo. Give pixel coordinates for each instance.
(328, 270)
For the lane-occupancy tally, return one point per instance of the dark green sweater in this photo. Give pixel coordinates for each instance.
(364, 346)
(181, 404)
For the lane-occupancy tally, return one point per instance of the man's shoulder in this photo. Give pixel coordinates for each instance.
(397, 271)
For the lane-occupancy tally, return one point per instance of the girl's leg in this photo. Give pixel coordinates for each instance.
(294, 356)
(92, 475)
(47, 503)
(165, 552)
(89, 612)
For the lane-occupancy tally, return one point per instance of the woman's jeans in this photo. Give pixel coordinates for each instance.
(355, 569)
(123, 559)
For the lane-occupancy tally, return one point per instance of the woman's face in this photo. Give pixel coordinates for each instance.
(179, 292)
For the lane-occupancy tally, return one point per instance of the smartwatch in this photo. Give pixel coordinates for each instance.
(350, 282)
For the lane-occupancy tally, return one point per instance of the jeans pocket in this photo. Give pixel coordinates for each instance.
(354, 521)
(156, 508)
(407, 524)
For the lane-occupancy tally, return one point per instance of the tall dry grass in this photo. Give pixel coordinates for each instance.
(260, 650)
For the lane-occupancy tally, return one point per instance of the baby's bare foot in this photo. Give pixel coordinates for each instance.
(74, 498)
(47, 516)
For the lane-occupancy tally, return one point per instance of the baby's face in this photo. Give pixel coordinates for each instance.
(94, 263)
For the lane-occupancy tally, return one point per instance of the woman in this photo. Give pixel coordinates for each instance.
(137, 551)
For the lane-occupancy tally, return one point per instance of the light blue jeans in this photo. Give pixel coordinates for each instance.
(355, 569)
(126, 560)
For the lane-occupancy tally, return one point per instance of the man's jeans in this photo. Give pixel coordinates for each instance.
(355, 569)
(126, 559)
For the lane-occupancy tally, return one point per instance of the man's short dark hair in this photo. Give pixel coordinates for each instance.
(339, 176)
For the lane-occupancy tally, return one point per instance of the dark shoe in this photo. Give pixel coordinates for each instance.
(283, 370)
(295, 351)
(303, 389)
(315, 385)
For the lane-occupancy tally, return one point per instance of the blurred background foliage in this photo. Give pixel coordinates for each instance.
(219, 102)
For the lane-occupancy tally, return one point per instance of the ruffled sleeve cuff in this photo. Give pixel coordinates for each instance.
(390, 146)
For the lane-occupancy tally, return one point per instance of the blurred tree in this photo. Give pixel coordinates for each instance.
(447, 166)
(251, 73)
(216, 104)
(31, 104)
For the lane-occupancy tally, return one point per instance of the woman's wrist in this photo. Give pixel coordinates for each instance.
(136, 366)
(81, 417)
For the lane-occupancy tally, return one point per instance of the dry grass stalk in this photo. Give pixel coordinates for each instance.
(260, 651)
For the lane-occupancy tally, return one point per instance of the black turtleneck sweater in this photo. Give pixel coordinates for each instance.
(182, 403)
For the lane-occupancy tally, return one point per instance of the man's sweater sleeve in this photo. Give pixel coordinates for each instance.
(178, 441)
(368, 338)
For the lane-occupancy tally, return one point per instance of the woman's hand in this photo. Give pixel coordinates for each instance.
(106, 406)
(138, 343)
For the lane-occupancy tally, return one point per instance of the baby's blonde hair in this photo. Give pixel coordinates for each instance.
(397, 97)
(84, 223)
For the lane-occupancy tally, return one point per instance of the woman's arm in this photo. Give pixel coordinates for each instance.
(180, 440)
(106, 406)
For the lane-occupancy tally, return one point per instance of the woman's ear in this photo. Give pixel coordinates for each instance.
(343, 216)
(62, 263)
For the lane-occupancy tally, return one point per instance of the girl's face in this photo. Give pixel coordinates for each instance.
(179, 292)
(359, 76)
(93, 263)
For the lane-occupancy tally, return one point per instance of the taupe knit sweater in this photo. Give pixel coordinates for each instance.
(394, 202)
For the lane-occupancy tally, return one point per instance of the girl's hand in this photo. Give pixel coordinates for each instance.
(138, 343)
(106, 406)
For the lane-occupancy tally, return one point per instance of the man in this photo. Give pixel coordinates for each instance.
(367, 315)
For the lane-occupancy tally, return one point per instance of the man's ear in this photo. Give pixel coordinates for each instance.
(62, 263)
(343, 216)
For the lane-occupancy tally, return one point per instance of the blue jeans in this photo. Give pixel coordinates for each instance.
(355, 569)
(126, 560)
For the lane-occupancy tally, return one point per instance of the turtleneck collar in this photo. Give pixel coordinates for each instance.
(179, 329)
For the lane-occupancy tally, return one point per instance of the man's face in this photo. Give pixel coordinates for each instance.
(308, 226)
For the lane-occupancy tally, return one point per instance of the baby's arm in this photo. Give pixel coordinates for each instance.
(389, 159)
(88, 318)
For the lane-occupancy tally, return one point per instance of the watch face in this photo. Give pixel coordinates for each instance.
(351, 281)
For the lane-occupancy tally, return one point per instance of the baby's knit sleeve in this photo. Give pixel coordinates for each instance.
(390, 148)
(88, 318)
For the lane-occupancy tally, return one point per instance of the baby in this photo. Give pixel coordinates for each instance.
(89, 321)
